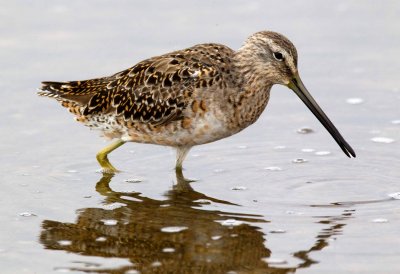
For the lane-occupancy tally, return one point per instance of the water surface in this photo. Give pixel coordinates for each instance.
(251, 208)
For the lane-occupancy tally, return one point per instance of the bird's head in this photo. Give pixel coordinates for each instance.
(272, 55)
(270, 58)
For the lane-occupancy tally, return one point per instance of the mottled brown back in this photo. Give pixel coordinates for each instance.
(154, 91)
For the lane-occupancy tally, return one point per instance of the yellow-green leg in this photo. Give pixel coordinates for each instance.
(106, 166)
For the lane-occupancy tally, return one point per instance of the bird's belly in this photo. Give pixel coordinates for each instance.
(199, 129)
(186, 132)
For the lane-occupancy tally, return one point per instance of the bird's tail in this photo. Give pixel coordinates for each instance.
(72, 95)
(79, 92)
(80, 97)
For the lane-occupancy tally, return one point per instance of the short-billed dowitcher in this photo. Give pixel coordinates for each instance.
(188, 97)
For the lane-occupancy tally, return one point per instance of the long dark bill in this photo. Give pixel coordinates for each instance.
(298, 87)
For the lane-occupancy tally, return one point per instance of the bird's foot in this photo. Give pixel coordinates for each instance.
(106, 166)
(108, 170)
(180, 177)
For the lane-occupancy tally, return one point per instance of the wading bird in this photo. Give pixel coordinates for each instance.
(188, 97)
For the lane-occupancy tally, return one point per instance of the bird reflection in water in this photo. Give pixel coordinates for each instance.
(175, 235)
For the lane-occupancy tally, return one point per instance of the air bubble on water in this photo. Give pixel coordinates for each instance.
(299, 161)
(129, 198)
(133, 180)
(216, 238)
(273, 168)
(279, 147)
(384, 140)
(322, 153)
(242, 147)
(113, 206)
(132, 151)
(101, 239)
(239, 188)
(380, 220)
(218, 170)
(173, 229)
(230, 222)
(109, 221)
(274, 261)
(277, 231)
(156, 264)
(202, 201)
(62, 269)
(396, 122)
(132, 271)
(354, 101)
(395, 195)
(305, 130)
(72, 171)
(27, 214)
(168, 249)
(307, 150)
(64, 242)
(166, 205)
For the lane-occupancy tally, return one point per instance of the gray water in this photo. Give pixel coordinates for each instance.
(251, 208)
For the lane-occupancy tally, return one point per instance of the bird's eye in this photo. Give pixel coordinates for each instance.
(278, 56)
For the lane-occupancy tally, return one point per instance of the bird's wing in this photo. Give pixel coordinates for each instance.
(154, 91)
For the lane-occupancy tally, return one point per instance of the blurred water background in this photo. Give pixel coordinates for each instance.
(254, 207)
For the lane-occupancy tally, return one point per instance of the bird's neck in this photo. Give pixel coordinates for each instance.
(253, 93)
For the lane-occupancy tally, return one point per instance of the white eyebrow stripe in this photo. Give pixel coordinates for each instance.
(288, 56)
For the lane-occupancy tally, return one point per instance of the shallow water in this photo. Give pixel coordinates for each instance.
(276, 198)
